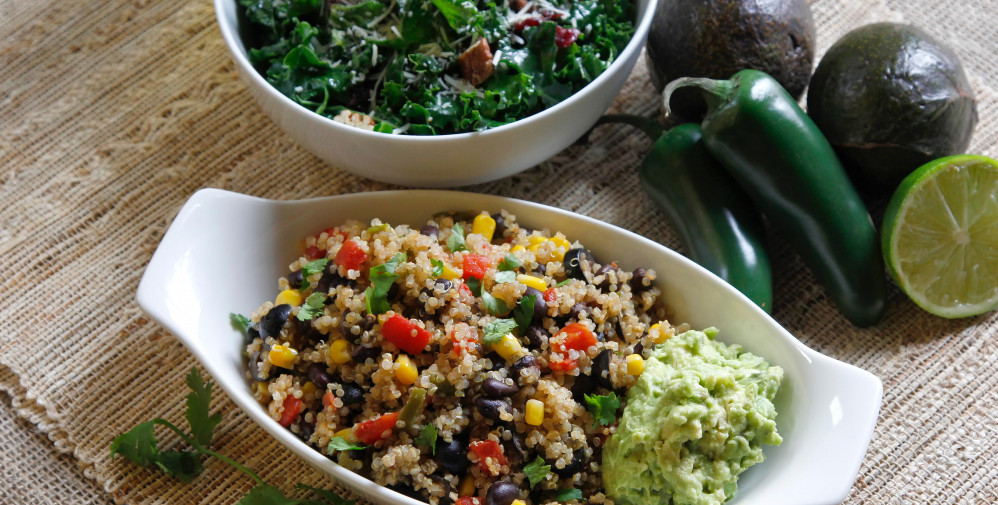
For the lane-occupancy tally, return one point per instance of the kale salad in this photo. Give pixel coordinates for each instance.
(431, 67)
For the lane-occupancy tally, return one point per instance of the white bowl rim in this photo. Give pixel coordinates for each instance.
(233, 41)
(150, 297)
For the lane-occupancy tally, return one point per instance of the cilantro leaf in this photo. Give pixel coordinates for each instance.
(311, 268)
(329, 496)
(497, 329)
(314, 306)
(240, 322)
(138, 445)
(536, 471)
(428, 437)
(603, 408)
(382, 278)
(564, 495)
(505, 277)
(523, 314)
(341, 444)
(509, 263)
(455, 242)
(202, 425)
(475, 285)
(493, 305)
(562, 283)
(438, 267)
(265, 494)
(184, 465)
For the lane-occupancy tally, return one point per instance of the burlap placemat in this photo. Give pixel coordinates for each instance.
(113, 112)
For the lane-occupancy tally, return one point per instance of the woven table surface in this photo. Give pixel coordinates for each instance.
(113, 112)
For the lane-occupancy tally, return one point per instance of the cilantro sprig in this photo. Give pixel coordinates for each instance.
(240, 322)
(427, 438)
(455, 242)
(523, 314)
(314, 306)
(603, 408)
(509, 263)
(564, 495)
(495, 330)
(140, 446)
(342, 444)
(311, 268)
(382, 278)
(536, 471)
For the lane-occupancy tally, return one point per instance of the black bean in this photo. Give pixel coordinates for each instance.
(254, 366)
(393, 291)
(490, 408)
(346, 328)
(639, 348)
(583, 386)
(502, 492)
(499, 389)
(352, 394)
(638, 280)
(603, 270)
(537, 336)
(541, 269)
(252, 334)
(430, 231)
(317, 374)
(497, 361)
(442, 285)
(540, 305)
(522, 364)
(578, 264)
(271, 324)
(295, 279)
(362, 353)
(601, 369)
(514, 445)
(500, 226)
(576, 311)
(407, 490)
(331, 280)
(573, 467)
(306, 430)
(452, 456)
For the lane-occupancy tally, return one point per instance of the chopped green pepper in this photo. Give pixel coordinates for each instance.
(413, 406)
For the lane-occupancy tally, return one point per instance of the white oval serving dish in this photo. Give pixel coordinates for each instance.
(442, 160)
(197, 276)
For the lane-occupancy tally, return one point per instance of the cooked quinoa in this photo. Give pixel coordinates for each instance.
(471, 360)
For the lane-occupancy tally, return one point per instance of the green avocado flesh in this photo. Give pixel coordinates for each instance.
(890, 98)
(697, 418)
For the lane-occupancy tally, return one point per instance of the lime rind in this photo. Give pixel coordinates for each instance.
(940, 238)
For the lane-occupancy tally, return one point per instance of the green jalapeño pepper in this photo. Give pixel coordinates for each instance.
(717, 223)
(781, 159)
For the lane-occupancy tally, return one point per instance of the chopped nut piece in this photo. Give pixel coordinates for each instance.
(476, 63)
(356, 119)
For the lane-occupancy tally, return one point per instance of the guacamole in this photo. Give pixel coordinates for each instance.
(696, 418)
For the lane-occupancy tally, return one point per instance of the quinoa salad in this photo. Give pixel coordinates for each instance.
(468, 361)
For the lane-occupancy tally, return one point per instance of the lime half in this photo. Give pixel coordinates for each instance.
(940, 236)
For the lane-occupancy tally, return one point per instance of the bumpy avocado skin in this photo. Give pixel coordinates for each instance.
(890, 98)
(716, 38)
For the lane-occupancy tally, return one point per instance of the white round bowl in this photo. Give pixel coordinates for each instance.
(443, 160)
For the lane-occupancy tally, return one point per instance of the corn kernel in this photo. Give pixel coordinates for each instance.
(346, 434)
(484, 225)
(518, 248)
(518, 502)
(406, 373)
(661, 336)
(635, 364)
(309, 389)
(467, 486)
(283, 356)
(534, 412)
(261, 388)
(531, 281)
(560, 242)
(508, 346)
(289, 296)
(536, 240)
(449, 273)
(534, 247)
(339, 351)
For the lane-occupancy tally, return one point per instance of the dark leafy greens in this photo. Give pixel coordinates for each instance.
(398, 60)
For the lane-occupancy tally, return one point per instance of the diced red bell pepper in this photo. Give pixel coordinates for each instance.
(550, 295)
(487, 449)
(525, 22)
(351, 256)
(336, 231)
(464, 287)
(376, 429)
(475, 265)
(562, 365)
(405, 335)
(292, 407)
(327, 399)
(577, 337)
(312, 253)
(564, 37)
(468, 500)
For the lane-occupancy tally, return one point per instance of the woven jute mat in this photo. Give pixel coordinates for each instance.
(113, 112)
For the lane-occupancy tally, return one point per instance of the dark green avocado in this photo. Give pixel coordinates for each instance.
(716, 38)
(890, 98)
